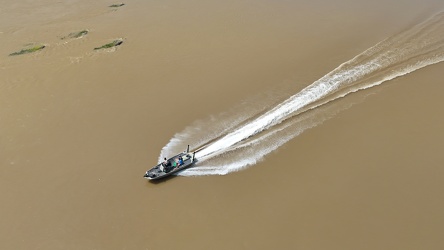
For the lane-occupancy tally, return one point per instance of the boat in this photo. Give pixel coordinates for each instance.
(171, 165)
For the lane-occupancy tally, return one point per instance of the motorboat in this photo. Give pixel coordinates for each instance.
(172, 165)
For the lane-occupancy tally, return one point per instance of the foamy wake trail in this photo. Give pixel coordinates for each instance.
(241, 142)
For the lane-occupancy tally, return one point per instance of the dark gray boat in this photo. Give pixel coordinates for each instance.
(171, 166)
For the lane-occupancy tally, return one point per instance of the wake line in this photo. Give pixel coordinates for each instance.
(413, 49)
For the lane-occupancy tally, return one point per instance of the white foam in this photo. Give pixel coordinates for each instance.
(418, 47)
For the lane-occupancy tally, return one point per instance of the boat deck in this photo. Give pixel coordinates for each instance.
(161, 171)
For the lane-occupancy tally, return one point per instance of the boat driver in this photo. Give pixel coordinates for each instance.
(165, 163)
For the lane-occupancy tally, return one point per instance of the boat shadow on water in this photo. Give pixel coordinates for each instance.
(162, 180)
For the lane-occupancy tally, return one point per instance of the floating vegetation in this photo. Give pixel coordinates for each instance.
(28, 50)
(117, 5)
(110, 45)
(76, 34)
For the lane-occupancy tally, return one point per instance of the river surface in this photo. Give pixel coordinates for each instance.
(320, 123)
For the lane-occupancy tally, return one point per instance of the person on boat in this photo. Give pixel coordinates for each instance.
(180, 161)
(165, 162)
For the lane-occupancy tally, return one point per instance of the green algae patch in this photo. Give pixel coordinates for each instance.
(116, 5)
(110, 45)
(76, 34)
(28, 50)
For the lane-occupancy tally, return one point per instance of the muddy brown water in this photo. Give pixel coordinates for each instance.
(78, 128)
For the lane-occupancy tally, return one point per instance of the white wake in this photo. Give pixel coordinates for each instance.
(237, 142)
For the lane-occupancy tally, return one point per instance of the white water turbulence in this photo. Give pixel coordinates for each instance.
(238, 142)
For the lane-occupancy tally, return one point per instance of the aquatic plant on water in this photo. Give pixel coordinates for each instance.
(117, 5)
(110, 45)
(76, 34)
(28, 50)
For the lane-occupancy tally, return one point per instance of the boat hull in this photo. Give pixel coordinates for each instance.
(160, 171)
